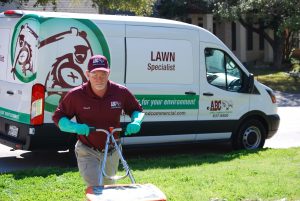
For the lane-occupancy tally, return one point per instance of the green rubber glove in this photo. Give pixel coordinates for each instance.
(135, 126)
(66, 125)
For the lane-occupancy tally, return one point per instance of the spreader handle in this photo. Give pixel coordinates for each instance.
(110, 138)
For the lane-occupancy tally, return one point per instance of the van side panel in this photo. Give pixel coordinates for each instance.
(162, 72)
(18, 69)
(16, 66)
(186, 79)
(115, 38)
(50, 51)
(4, 51)
(66, 44)
(217, 102)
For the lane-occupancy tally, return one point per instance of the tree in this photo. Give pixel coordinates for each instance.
(138, 7)
(281, 16)
(179, 9)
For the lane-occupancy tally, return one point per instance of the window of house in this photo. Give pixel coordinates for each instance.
(222, 71)
(233, 36)
(249, 39)
(214, 28)
(261, 39)
(188, 20)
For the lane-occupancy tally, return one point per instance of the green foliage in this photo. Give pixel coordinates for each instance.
(296, 68)
(277, 15)
(172, 9)
(277, 80)
(268, 14)
(295, 56)
(139, 7)
(281, 16)
(178, 9)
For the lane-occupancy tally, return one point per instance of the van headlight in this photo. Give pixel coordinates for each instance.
(272, 95)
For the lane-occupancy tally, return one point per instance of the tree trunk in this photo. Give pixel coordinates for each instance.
(100, 9)
(277, 43)
(278, 46)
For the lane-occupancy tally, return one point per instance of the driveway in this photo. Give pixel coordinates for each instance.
(287, 100)
(288, 134)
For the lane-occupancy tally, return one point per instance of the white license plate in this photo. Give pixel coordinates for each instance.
(13, 131)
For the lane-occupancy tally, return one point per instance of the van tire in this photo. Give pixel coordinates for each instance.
(72, 160)
(250, 135)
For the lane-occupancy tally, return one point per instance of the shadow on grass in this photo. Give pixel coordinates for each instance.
(37, 163)
(188, 155)
(42, 172)
(147, 158)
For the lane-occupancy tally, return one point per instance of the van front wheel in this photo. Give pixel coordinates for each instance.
(251, 135)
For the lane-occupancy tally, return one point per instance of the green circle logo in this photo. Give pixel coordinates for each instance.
(55, 51)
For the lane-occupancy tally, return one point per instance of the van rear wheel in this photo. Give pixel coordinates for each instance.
(71, 155)
(251, 135)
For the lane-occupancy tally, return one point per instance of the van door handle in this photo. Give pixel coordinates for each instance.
(190, 93)
(10, 92)
(207, 94)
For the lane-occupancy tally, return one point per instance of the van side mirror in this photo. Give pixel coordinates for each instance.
(208, 52)
(250, 87)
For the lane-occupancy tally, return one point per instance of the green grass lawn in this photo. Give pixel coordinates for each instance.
(267, 174)
(277, 80)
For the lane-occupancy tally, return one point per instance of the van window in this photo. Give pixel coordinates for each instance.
(222, 71)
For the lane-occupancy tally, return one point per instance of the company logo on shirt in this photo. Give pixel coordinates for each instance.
(86, 107)
(1, 58)
(115, 104)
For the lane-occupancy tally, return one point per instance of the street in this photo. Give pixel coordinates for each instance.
(287, 136)
(289, 129)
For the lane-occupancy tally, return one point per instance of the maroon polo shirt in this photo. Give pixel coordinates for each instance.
(95, 111)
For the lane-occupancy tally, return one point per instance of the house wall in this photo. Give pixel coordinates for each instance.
(74, 6)
(223, 31)
(9, 6)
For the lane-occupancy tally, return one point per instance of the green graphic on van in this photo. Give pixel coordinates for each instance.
(15, 116)
(167, 102)
(24, 42)
(62, 46)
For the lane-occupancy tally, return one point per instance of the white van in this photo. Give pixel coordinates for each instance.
(191, 86)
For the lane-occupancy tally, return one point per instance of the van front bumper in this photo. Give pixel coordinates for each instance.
(273, 121)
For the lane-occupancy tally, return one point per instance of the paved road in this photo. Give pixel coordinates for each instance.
(287, 136)
(287, 100)
(289, 129)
